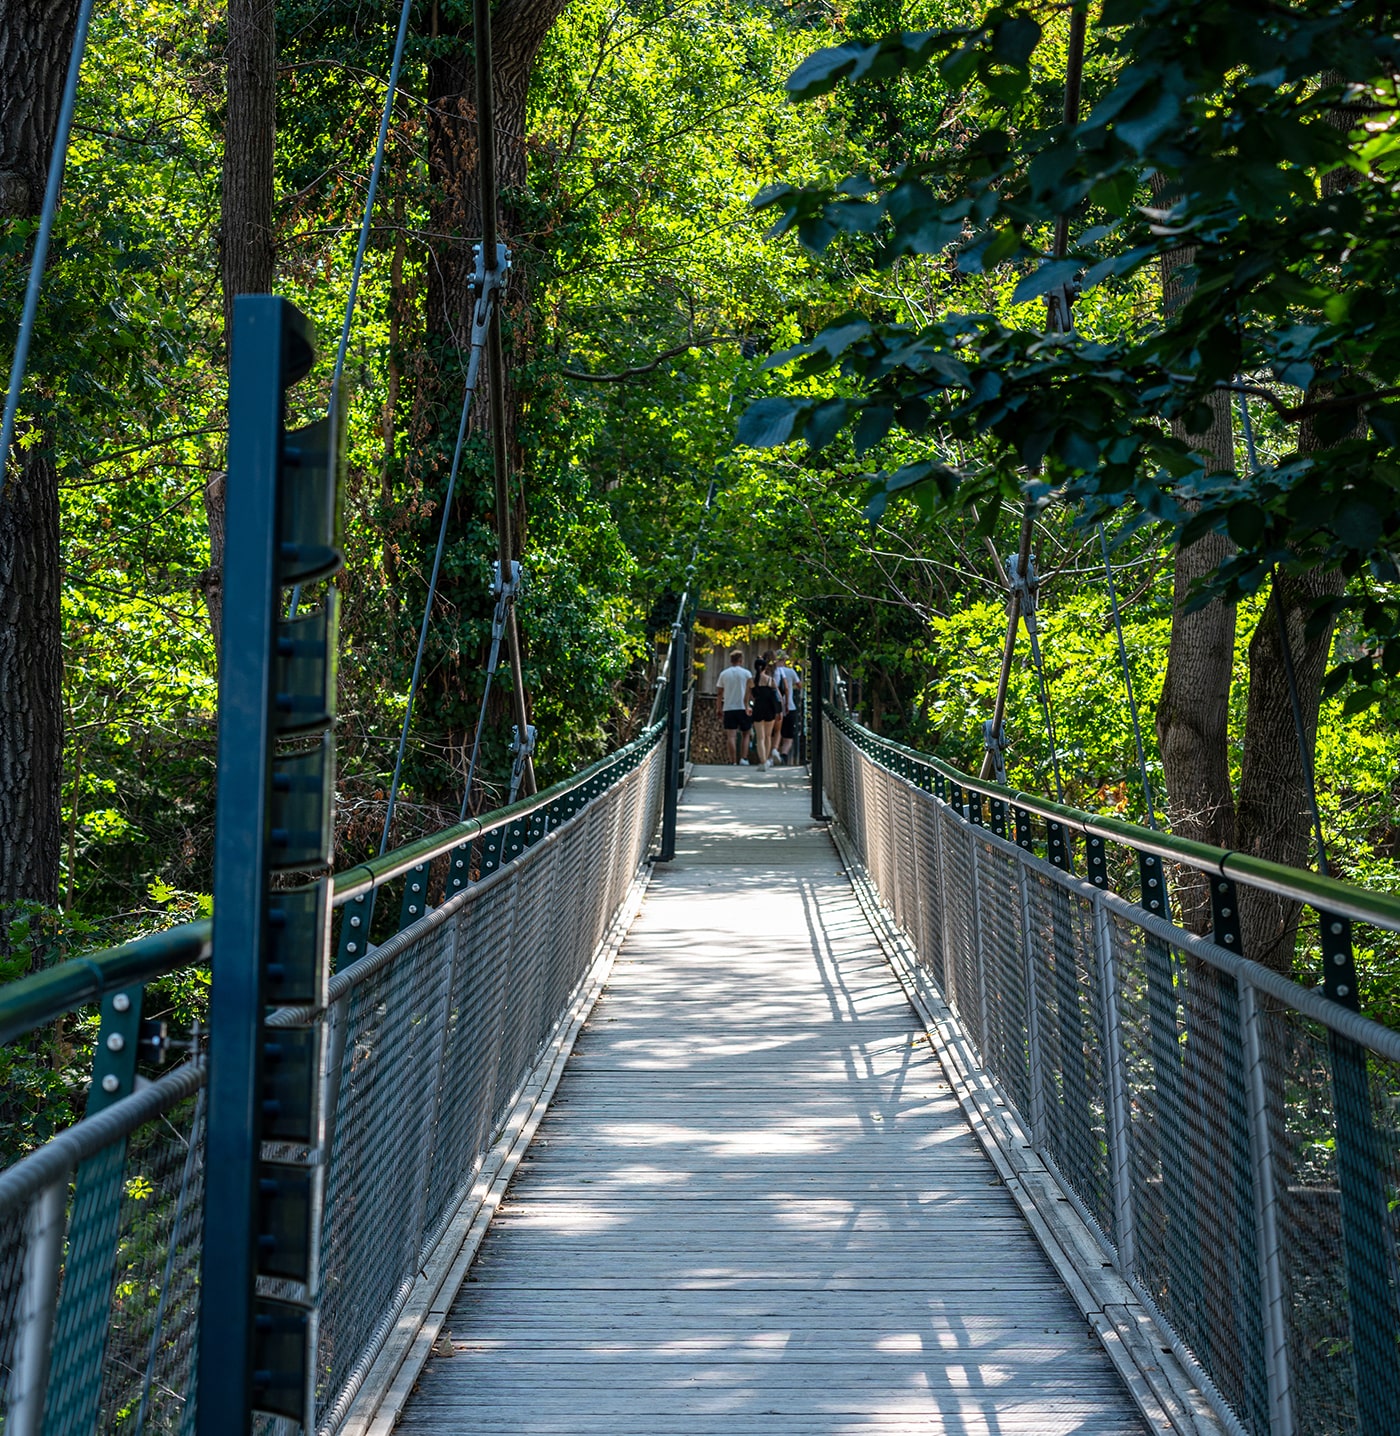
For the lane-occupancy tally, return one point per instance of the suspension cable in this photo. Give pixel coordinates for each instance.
(681, 607)
(495, 370)
(1059, 319)
(58, 159)
(485, 306)
(1286, 649)
(1128, 680)
(368, 216)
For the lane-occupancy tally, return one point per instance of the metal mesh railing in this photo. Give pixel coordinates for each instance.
(1233, 1136)
(432, 1037)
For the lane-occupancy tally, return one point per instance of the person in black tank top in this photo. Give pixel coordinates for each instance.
(767, 706)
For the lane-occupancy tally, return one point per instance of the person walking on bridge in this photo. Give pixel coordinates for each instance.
(788, 683)
(732, 704)
(767, 708)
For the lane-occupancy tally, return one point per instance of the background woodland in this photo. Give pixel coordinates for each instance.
(875, 486)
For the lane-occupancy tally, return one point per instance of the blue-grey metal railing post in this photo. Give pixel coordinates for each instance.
(272, 815)
(816, 704)
(677, 667)
(1366, 1218)
(75, 1371)
(1273, 1295)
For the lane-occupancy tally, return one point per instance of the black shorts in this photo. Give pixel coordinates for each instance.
(790, 724)
(737, 718)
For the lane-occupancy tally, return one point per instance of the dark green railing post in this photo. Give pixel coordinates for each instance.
(1367, 1230)
(816, 702)
(84, 1308)
(273, 814)
(678, 665)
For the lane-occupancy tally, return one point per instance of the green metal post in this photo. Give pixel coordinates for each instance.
(816, 701)
(675, 710)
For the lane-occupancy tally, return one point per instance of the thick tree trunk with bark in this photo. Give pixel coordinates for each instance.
(1193, 717)
(36, 38)
(518, 29)
(1275, 811)
(247, 254)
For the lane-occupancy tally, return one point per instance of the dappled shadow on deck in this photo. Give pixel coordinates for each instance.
(754, 1206)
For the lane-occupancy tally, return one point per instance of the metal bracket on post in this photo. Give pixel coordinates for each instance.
(415, 895)
(1098, 861)
(257, 1353)
(523, 749)
(1225, 913)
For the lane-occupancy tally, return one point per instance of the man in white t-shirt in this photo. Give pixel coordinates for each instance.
(732, 704)
(787, 680)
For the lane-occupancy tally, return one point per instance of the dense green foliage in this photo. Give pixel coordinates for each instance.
(923, 173)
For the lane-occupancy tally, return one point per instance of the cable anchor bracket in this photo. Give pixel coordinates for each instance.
(995, 744)
(488, 283)
(524, 751)
(1026, 587)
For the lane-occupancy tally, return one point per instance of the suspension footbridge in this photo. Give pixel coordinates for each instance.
(923, 1116)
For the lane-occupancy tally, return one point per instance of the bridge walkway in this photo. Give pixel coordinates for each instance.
(755, 1206)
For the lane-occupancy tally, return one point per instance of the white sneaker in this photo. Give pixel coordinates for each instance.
(744, 762)
(769, 763)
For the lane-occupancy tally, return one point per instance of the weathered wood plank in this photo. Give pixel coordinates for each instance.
(756, 1205)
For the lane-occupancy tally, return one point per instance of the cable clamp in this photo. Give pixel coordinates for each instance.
(995, 744)
(1059, 306)
(511, 586)
(1025, 586)
(523, 752)
(488, 283)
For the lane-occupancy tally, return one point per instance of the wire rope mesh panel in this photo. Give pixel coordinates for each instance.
(1235, 1137)
(153, 1320)
(960, 922)
(1070, 1019)
(1191, 1160)
(467, 1103)
(99, 1267)
(14, 1247)
(928, 880)
(1002, 969)
(395, 1023)
(1335, 1114)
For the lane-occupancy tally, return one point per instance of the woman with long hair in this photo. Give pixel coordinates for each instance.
(767, 710)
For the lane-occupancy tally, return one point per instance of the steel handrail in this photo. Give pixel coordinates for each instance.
(1296, 884)
(42, 997)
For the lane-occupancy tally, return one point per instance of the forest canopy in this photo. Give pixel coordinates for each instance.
(864, 267)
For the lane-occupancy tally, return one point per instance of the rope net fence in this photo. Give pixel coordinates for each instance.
(1232, 1137)
(431, 1039)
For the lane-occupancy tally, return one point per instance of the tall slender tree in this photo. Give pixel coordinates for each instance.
(36, 40)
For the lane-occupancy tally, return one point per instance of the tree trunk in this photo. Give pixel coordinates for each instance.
(247, 253)
(36, 39)
(1193, 717)
(1275, 811)
(519, 28)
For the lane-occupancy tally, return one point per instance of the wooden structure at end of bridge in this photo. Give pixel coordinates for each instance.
(757, 1203)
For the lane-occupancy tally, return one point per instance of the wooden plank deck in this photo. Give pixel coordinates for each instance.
(755, 1206)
